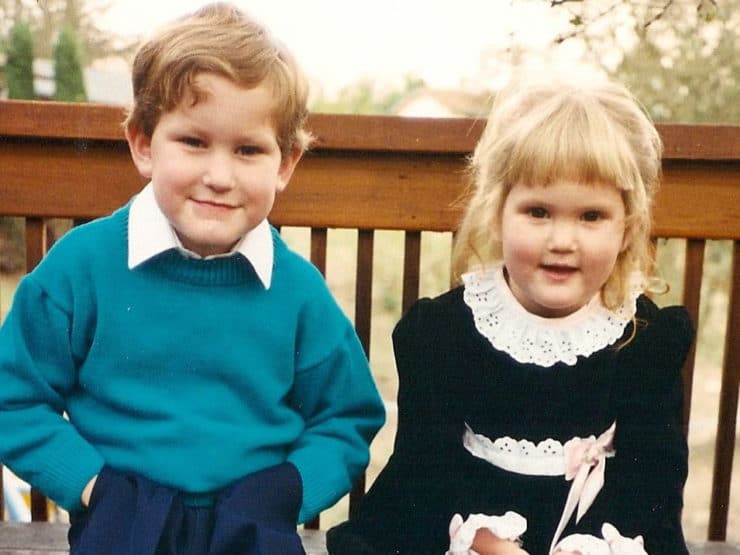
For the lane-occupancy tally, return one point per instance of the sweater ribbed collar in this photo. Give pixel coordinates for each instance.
(150, 234)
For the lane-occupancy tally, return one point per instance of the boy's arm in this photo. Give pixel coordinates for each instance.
(37, 372)
(342, 410)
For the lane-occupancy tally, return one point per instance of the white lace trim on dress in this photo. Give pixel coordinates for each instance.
(545, 458)
(529, 338)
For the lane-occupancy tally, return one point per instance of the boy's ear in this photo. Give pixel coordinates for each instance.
(140, 145)
(288, 164)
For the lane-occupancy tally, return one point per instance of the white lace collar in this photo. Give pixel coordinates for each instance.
(529, 338)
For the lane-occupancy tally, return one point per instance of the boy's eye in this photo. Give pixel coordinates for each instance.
(591, 216)
(248, 150)
(191, 141)
(537, 212)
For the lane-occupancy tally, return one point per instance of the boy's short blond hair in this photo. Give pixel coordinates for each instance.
(550, 128)
(218, 39)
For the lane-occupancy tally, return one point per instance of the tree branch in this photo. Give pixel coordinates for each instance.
(661, 12)
(580, 29)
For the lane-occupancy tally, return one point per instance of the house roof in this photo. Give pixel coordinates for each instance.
(428, 102)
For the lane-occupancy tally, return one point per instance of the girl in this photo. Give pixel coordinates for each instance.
(540, 400)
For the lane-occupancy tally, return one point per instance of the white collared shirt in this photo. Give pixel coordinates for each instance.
(150, 233)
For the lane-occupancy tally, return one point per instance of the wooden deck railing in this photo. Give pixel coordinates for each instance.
(377, 173)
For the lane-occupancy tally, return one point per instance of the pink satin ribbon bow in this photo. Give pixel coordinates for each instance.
(585, 462)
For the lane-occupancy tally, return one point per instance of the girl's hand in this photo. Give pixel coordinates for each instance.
(486, 543)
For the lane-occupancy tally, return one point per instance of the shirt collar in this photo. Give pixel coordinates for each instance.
(150, 233)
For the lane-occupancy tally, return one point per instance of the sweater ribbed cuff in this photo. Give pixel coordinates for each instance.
(321, 487)
(67, 476)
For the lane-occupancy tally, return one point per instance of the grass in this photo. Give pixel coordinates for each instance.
(8, 283)
(388, 263)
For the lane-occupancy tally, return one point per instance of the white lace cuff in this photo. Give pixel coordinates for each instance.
(462, 533)
(612, 544)
(585, 544)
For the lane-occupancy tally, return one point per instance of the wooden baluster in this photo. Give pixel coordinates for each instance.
(411, 269)
(363, 308)
(36, 246)
(693, 271)
(725, 445)
(2, 496)
(35, 242)
(318, 257)
(318, 248)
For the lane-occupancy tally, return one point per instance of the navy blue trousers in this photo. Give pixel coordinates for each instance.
(131, 515)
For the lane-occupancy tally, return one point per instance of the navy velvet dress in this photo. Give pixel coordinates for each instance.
(451, 376)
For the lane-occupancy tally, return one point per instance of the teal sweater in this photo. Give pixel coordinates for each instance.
(188, 372)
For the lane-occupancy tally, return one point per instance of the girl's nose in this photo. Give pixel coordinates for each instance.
(562, 236)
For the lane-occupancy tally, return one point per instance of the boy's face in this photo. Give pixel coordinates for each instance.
(215, 165)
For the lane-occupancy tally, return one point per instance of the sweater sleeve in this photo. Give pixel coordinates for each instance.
(409, 504)
(644, 482)
(38, 372)
(337, 398)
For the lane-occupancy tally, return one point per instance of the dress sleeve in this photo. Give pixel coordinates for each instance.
(643, 487)
(407, 508)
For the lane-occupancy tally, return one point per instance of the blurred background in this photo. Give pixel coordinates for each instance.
(421, 59)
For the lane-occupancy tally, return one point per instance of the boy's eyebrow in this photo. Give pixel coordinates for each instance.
(195, 128)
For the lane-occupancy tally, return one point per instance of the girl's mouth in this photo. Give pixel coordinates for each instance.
(558, 272)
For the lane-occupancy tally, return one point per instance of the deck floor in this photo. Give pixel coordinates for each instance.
(42, 538)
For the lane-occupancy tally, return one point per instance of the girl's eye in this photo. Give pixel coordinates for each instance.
(591, 216)
(537, 212)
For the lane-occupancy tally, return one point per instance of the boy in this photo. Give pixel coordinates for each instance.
(215, 394)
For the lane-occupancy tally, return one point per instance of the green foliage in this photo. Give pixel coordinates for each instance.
(47, 17)
(687, 72)
(12, 244)
(70, 84)
(19, 64)
(364, 98)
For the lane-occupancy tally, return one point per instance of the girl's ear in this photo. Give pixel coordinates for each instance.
(288, 162)
(496, 230)
(626, 239)
(140, 145)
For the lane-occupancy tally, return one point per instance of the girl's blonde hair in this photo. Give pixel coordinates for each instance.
(542, 131)
(218, 39)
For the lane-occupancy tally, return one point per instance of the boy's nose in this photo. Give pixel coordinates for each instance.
(218, 173)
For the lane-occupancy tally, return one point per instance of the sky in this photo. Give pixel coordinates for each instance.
(339, 42)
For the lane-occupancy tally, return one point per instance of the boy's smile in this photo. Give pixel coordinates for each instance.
(560, 243)
(215, 163)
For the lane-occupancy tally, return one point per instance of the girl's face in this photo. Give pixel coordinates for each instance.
(560, 243)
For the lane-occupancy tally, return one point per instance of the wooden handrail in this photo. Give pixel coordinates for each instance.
(357, 161)
(91, 122)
